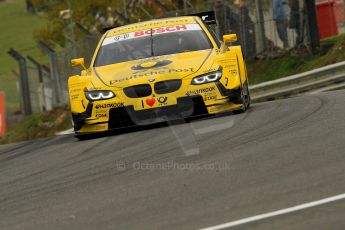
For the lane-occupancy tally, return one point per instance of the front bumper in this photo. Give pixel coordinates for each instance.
(113, 114)
(185, 107)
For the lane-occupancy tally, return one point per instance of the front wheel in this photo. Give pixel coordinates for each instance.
(83, 137)
(247, 95)
(243, 99)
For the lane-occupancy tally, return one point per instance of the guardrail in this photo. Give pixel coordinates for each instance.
(326, 78)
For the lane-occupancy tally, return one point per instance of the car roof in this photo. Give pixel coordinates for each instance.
(152, 24)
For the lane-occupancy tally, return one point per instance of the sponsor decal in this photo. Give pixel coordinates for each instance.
(229, 65)
(75, 90)
(102, 111)
(151, 65)
(209, 70)
(233, 71)
(121, 37)
(162, 100)
(154, 31)
(109, 105)
(160, 30)
(101, 115)
(150, 102)
(201, 91)
(74, 97)
(94, 88)
(100, 127)
(181, 70)
(151, 23)
(210, 97)
(117, 38)
(151, 73)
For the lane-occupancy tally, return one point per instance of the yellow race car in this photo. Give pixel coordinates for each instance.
(156, 71)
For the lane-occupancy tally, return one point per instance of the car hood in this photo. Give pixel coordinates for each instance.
(176, 66)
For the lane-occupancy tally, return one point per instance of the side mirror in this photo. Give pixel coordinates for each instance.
(227, 39)
(230, 38)
(78, 62)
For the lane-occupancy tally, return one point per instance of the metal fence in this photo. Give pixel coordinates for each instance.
(262, 31)
(267, 29)
(84, 48)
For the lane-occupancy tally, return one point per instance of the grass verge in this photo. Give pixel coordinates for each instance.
(38, 125)
(16, 28)
(272, 69)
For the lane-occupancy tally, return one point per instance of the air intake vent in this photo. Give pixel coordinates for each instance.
(138, 91)
(169, 86)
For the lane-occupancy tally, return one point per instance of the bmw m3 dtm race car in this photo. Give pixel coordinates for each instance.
(155, 71)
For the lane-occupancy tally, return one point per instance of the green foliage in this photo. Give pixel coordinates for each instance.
(16, 28)
(261, 70)
(38, 125)
(336, 54)
(83, 13)
(334, 39)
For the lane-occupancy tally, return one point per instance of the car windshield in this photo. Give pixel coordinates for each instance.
(152, 42)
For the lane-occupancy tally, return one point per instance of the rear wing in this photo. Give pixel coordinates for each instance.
(208, 17)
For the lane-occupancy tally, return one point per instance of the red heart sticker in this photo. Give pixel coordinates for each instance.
(151, 101)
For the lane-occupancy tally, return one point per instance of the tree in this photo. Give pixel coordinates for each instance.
(93, 14)
(84, 14)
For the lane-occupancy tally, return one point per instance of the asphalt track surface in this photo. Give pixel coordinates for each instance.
(277, 155)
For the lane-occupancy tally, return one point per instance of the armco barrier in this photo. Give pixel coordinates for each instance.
(314, 80)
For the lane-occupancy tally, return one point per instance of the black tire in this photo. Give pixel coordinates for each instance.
(89, 136)
(242, 102)
(248, 99)
(244, 99)
(83, 137)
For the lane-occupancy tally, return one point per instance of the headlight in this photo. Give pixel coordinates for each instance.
(207, 78)
(99, 95)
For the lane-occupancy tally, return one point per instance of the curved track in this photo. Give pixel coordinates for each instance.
(277, 155)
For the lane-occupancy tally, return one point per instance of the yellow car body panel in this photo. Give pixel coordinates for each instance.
(154, 73)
